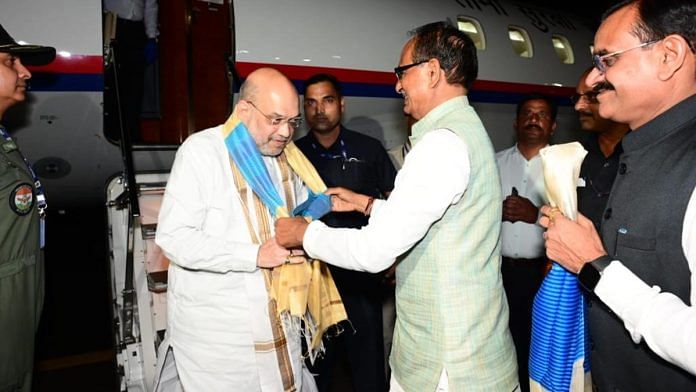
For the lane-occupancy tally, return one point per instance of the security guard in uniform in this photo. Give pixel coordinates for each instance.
(22, 206)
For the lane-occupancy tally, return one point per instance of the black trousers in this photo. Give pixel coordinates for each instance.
(522, 279)
(360, 344)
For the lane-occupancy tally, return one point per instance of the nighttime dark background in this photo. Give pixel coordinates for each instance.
(74, 347)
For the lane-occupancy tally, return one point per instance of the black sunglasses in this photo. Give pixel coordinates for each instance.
(399, 71)
(590, 96)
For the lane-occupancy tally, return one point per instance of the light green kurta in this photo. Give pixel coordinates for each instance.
(451, 307)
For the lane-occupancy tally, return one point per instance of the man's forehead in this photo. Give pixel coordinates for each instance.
(407, 52)
(616, 31)
(535, 103)
(582, 84)
(322, 89)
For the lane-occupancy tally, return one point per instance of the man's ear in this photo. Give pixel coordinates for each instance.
(435, 72)
(673, 52)
(242, 109)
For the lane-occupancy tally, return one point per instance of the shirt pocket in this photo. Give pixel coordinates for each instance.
(639, 254)
(635, 242)
(10, 175)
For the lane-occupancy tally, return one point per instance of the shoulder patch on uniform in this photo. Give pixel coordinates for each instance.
(9, 146)
(22, 199)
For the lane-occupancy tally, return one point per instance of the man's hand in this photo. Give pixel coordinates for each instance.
(345, 200)
(518, 208)
(290, 231)
(271, 254)
(571, 244)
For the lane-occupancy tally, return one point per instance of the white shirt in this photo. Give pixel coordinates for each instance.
(522, 240)
(666, 323)
(136, 10)
(216, 298)
(434, 176)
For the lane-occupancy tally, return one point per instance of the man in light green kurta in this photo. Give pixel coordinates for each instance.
(441, 223)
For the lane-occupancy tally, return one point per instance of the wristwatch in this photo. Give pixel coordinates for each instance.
(591, 272)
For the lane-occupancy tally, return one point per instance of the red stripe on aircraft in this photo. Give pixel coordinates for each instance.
(75, 64)
(522, 88)
(300, 72)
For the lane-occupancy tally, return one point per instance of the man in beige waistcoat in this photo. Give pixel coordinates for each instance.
(442, 225)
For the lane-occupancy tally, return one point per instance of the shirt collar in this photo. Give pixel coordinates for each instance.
(516, 151)
(333, 146)
(428, 123)
(661, 126)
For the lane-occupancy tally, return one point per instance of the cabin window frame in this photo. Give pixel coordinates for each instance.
(526, 43)
(479, 36)
(565, 54)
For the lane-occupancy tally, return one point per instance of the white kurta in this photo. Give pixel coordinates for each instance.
(522, 240)
(216, 294)
(441, 158)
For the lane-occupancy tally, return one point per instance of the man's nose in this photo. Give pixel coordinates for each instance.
(581, 103)
(594, 77)
(22, 71)
(285, 130)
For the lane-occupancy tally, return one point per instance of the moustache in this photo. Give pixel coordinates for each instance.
(602, 86)
(530, 126)
(584, 113)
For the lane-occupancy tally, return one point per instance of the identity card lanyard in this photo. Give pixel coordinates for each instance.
(41, 196)
(344, 153)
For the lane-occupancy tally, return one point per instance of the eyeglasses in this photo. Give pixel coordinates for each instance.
(294, 122)
(590, 96)
(600, 62)
(399, 71)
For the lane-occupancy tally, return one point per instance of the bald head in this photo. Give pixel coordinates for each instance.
(265, 80)
(267, 100)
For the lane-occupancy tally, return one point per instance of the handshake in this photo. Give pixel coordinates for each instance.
(289, 232)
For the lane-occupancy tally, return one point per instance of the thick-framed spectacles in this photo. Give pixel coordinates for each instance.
(399, 71)
(590, 97)
(294, 122)
(600, 63)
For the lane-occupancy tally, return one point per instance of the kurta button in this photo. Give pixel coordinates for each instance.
(607, 213)
(622, 168)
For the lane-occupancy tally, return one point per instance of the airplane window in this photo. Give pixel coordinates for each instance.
(563, 49)
(520, 41)
(473, 29)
